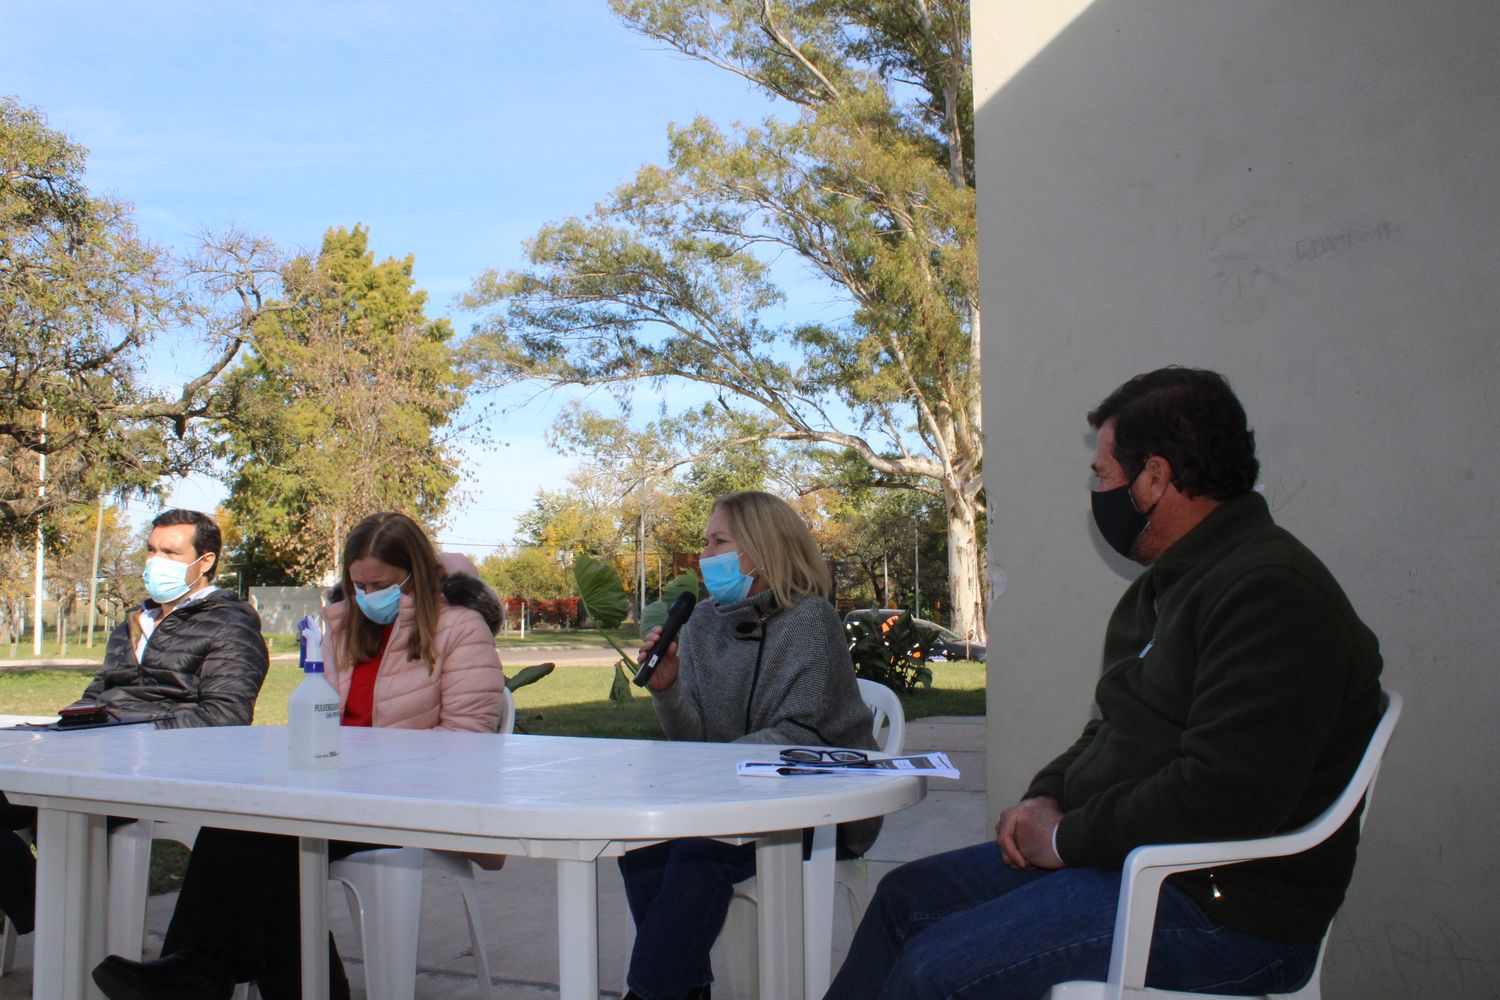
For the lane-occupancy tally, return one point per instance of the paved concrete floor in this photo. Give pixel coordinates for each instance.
(520, 902)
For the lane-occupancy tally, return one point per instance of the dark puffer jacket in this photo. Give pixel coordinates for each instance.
(204, 666)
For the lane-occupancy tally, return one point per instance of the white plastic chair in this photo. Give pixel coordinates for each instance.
(822, 878)
(129, 871)
(384, 888)
(1147, 867)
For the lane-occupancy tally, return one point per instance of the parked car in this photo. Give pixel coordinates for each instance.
(947, 645)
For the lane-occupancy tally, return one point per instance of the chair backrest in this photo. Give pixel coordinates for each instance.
(886, 708)
(1375, 752)
(507, 722)
(1361, 785)
(1364, 777)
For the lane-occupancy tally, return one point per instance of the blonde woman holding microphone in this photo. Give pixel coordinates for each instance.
(762, 660)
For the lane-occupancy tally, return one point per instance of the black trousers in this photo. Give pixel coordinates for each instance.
(239, 900)
(17, 867)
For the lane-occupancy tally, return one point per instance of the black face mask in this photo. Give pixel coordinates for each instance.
(1118, 520)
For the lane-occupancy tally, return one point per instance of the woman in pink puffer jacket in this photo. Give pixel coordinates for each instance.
(444, 676)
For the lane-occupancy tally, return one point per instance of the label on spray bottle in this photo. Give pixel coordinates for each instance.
(313, 710)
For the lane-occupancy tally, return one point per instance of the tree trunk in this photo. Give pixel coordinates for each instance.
(965, 587)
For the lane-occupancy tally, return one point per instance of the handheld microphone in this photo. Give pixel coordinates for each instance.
(681, 609)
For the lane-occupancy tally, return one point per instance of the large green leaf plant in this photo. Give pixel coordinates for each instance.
(606, 603)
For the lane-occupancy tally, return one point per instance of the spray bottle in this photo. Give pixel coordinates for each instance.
(313, 710)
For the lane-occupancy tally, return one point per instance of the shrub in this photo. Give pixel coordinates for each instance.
(894, 652)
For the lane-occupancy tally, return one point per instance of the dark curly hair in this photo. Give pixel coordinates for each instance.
(1191, 418)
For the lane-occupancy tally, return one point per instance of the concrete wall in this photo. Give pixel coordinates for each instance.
(1306, 197)
(281, 608)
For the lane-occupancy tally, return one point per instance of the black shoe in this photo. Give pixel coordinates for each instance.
(182, 975)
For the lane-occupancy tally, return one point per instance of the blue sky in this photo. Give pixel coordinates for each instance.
(452, 130)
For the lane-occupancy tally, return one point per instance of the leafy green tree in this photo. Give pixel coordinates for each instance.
(877, 535)
(708, 476)
(247, 561)
(657, 482)
(583, 517)
(15, 590)
(71, 561)
(530, 572)
(341, 409)
(867, 181)
(82, 295)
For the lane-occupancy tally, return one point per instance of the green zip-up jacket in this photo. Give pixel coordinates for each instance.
(1238, 694)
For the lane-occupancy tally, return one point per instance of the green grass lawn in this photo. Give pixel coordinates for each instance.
(51, 649)
(627, 635)
(574, 701)
(571, 701)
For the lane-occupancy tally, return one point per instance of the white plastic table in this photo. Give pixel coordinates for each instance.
(569, 799)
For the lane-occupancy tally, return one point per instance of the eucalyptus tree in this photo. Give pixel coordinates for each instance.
(343, 408)
(865, 176)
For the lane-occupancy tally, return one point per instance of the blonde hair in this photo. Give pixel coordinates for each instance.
(777, 541)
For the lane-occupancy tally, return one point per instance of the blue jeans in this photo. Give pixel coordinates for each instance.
(964, 926)
(679, 892)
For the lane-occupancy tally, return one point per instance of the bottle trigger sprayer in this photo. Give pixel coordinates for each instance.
(313, 710)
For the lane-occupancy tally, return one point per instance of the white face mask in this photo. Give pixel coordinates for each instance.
(166, 579)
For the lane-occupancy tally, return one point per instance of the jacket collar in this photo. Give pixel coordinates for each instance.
(152, 607)
(1222, 529)
(760, 606)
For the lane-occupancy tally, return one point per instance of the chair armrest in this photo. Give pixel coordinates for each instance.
(1146, 868)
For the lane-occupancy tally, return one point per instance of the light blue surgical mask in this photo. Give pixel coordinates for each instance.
(722, 577)
(381, 606)
(166, 579)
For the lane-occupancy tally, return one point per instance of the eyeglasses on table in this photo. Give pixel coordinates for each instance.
(823, 757)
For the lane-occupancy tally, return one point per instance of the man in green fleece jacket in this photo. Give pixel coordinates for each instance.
(1239, 690)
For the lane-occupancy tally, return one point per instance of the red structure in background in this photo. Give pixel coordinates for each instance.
(684, 562)
(566, 612)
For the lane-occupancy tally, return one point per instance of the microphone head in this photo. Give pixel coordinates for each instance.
(676, 616)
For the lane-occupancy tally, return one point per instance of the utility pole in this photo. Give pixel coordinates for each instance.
(41, 492)
(94, 571)
(916, 576)
(641, 564)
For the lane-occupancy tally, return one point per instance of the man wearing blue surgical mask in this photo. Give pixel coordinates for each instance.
(191, 654)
